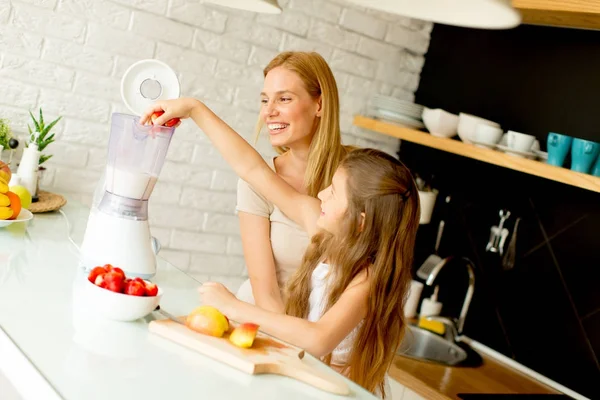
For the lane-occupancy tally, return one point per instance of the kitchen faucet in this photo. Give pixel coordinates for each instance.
(455, 329)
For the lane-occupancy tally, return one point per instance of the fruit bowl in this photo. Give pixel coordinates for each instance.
(24, 216)
(118, 306)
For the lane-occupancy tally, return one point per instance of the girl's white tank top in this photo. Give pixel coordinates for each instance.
(317, 302)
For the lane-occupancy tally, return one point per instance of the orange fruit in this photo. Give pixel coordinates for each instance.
(15, 204)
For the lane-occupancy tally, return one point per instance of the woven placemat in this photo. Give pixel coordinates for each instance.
(47, 202)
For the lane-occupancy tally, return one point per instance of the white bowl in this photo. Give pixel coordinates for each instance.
(118, 306)
(24, 216)
(467, 124)
(439, 122)
(487, 135)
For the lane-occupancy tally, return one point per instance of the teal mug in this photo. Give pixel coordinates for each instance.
(558, 148)
(583, 155)
(596, 169)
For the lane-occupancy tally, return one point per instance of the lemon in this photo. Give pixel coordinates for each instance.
(23, 194)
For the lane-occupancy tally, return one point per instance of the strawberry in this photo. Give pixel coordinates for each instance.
(170, 123)
(95, 272)
(114, 281)
(135, 288)
(151, 289)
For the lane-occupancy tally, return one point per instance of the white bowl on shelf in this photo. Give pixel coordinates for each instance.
(467, 124)
(440, 123)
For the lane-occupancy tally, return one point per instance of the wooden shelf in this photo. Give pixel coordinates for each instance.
(489, 156)
(567, 13)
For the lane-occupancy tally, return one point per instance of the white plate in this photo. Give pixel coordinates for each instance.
(399, 106)
(398, 118)
(485, 145)
(514, 152)
(24, 215)
(542, 155)
(147, 81)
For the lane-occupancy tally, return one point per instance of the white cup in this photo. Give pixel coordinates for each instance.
(520, 141)
(427, 201)
(412, 303)
(487, 134)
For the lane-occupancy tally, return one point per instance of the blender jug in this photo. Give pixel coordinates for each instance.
(118, 232)
(136, 154)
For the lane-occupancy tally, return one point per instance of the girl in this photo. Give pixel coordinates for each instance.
(345, 302)
(310, 151)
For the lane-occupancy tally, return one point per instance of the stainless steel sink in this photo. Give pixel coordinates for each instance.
(424, 345)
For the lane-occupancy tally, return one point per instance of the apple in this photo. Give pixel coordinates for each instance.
(243, 336)
(95, 272)
(169, 124)
(207, 320)
(151, 289)
(114, 281)
(135, 288)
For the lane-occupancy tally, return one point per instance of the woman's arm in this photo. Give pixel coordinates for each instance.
(245, 161)
(258, 253)
(318, 338)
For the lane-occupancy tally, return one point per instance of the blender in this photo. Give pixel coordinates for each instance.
(117, 231)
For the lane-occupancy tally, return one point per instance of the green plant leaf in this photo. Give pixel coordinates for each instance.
(42, 145)
(41, 120)
(44, 158)
(37, 126)
(47, 128)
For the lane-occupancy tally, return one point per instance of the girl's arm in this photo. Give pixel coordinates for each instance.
(245, 161)
(258, 253)
(318, 338)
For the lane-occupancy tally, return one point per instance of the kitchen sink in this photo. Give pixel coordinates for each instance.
(425, 345)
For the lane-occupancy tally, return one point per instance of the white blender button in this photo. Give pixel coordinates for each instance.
(146, 81)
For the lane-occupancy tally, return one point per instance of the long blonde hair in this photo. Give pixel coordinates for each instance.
(326, 150)
(383, 189)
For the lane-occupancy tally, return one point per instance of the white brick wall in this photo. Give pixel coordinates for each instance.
(68, 56)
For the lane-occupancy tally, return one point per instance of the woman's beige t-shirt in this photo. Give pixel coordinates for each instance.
(288, 240)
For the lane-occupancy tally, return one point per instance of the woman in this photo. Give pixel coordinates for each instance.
(300, 109)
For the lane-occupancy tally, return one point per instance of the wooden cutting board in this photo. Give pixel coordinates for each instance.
(266, 356)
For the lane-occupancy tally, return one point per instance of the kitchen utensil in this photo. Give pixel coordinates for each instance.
(520, 141)
(427, 202)
(508, 262)
(486, 135)
(516, 153)
(542, 155)
(266, 356)
(596, 169)
(434, 259)
(498, 234)
(147, 81)
(467, 124)
(558, 148)
(168, 315)
(412, 303)
(440, 123)
(118, 232)
(583, 155)
(116, 306)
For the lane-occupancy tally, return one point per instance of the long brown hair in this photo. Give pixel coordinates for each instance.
(383, 189)
(326, 150)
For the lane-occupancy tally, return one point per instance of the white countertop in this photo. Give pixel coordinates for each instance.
(51, 347)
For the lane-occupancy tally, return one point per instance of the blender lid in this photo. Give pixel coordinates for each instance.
(147, 81)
